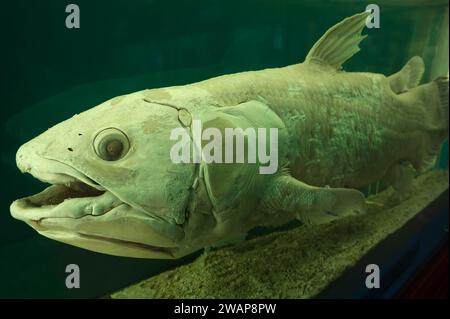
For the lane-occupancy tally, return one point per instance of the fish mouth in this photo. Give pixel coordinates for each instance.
(71, 194)
(78, 211)
(56, 194)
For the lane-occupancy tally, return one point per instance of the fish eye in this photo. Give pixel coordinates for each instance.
(111, 144)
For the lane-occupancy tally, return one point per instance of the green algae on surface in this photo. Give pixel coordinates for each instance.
(298, 263)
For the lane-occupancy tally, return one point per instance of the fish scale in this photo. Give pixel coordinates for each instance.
(314, 105)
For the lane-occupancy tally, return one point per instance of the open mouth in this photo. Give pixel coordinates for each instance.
(77, 210)
(58, 193)
(70, 195)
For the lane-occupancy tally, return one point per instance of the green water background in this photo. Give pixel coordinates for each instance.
(49, 72)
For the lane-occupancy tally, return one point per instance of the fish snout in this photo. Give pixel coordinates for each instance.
(23, 155)
(30, 156)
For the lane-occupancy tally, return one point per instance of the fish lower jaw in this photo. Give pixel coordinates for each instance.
(161, 252)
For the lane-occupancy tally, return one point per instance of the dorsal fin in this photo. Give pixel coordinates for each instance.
(339, 43)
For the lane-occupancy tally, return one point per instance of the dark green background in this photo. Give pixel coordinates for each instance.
(49, 72)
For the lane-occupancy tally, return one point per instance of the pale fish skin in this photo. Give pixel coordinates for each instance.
(338, 131)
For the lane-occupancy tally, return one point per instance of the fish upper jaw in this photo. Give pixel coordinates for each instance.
(29, 160)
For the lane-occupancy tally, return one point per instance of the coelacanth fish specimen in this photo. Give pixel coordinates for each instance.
(116, 190)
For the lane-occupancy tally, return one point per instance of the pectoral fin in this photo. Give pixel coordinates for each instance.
(310, 204)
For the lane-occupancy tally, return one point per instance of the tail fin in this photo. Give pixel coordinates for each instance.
(409, 76)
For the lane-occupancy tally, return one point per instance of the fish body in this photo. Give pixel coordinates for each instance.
(347, 129)
(116, 190)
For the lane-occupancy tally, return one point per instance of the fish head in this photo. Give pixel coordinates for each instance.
(114, 188)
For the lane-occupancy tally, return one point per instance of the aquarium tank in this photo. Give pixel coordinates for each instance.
(288, 149)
